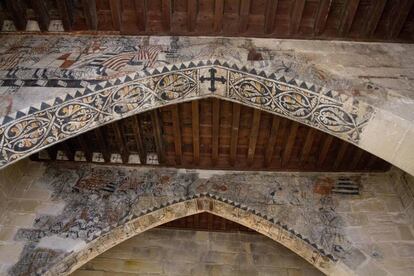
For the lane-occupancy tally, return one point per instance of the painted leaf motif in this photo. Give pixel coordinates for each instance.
(128, 98)
(174, 86)
(335, 119)
(254, 91)
(27, 133)
(296, 103)
(75, 117)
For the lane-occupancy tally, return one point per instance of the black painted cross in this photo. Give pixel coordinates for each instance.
(213, 79)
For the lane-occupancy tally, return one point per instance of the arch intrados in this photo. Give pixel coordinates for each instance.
(200, 204)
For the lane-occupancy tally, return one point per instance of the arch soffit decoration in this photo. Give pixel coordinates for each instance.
(200, 203)
(62, 118)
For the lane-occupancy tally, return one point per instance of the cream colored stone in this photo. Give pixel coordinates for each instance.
(10, 253)
(18, 219)
(404, 154)
(7, 233)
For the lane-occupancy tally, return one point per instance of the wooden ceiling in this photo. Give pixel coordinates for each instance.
(370, 20)
(217, 134)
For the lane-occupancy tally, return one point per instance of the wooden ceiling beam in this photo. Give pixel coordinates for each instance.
(69, 152)
(272, 140)
(66, 13)
(52, 152)
(340, 155)
(157, 130)
(244, 15)
(234, 133)
(191, 14)
(83, 144)
(348, 16)
(91, 16)
(195, 117)
(123, 150)
(115, 6)
(42, 14)
(166, 15)
(322, 16)
(17, 9)
(254, 133)
(138, 139)
(399, 20)
(325, 149)
(287, 153)
(296, 16)
(215, 129)
(307, 146)
(102, 145)
(271, 8)
(356, 158)
(218, 16)
(141, 12)
(177, 134)
(375, 16)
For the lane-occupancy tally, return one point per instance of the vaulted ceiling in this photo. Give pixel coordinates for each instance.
(215, 134)
(384, 20)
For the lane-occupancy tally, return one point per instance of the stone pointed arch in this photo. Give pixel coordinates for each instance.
(218, 206)
(62, 118)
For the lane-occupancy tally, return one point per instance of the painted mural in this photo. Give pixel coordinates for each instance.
(98, 80)
(100, 198)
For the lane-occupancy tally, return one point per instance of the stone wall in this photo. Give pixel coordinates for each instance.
(182, 252)
(68, 213)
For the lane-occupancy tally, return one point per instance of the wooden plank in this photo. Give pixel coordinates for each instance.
(234, 133)
(91, 17)
(322, 16)
(195, 117)
(254, 133)
(42, 14)
(157, 129)
(348, 16)
(244, 15)
(102, 145)
(296, 16)
(218, 16)
(123, 150)
(52, 152)
(69, 152)
(397, 25)
(215, 129)
(191, 14)
(177, 134)
(290, 143)
(375, 16)
(138, 139)
(325, 149)
(66, 13)
(166, 15)
(116, 14)
(271, 8)
(83, 144)
(272, 140)
(18, 13)
(141, 13)
(356, 158)
(307, 146)
(340, 155)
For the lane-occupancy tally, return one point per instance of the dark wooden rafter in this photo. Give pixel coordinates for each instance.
(136, 127)
(157, 130)
(348, 16)
(325, 149)
(42, 14)
(397, 24)
(195, 117)
(166, 14)
(375, 16)
(291, 138)
(66, 11)
(270, 16)
(91, 16)
(272, 141)
(340, 156)
(120, 141)
(322, 16)
(234, 133)
(296, 16)
(52, 152)
(254, 133)
(102, 144)
(215, 129)
(83, 144)
(18, 11)
(218, 15)
(116, 14)
(244, 15)
(141, 12)
(177, 134)
(358, 153)
(68, 151)
(191, 14)
(307, 146)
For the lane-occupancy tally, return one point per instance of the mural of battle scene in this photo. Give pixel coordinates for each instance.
(99, 198)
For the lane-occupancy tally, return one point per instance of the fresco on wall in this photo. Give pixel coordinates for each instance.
(99, 198)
